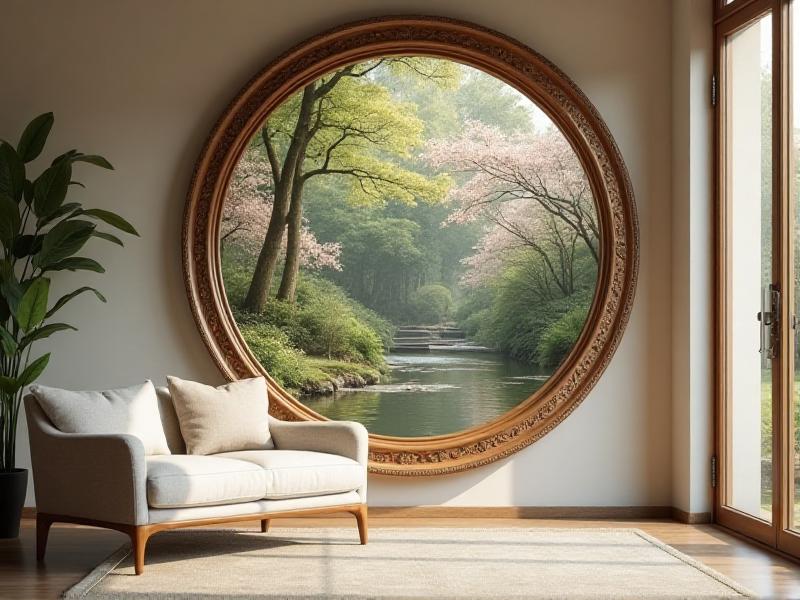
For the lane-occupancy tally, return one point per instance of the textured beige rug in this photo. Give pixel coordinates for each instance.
(407, 563)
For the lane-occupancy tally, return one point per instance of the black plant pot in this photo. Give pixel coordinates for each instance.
(13, 485)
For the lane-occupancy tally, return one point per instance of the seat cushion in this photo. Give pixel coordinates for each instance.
(185, 480)
(299, 473)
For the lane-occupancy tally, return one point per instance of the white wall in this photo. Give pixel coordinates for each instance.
(142, 83)
(692, 234)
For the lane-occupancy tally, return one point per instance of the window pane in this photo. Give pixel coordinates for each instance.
(749, 176)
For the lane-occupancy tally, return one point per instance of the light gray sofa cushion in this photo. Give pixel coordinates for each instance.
(132, 410)
(299, 473)
(227, 418)
(186, 480)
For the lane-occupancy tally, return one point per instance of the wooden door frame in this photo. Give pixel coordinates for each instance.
(730, 18)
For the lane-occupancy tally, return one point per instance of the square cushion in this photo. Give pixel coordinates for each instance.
(230, 417)
(300, 473)
(182, 480)
(132, 410)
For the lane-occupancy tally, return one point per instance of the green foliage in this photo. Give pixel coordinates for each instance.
(288, 338)
(390, 248)
(432, 304)
(39, 233)
(500, 315)
(271, 346)
(560, 336)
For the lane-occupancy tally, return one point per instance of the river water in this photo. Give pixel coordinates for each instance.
(433, 393)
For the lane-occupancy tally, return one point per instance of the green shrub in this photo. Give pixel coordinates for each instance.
(274, 351)
(323, 322)
(431, 304)
(559, 337)
(313, 289)
(507, 314)
(335, 332)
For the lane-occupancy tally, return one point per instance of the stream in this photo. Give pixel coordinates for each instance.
(435, 392)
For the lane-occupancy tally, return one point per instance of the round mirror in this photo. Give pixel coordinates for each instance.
(404, 223)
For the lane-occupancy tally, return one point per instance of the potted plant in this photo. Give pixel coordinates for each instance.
(40, 234)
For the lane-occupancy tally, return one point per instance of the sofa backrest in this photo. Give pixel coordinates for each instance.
(169, 421)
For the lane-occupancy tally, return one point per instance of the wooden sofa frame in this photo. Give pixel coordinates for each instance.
(140, 534)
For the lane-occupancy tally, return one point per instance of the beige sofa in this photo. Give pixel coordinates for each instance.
(107, 481)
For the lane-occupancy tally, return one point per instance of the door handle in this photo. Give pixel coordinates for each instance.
(769, 319)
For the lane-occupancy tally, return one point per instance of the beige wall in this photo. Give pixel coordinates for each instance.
(142, 83)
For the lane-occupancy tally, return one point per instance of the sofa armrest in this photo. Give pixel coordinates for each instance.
(345, 438)
(93, 476)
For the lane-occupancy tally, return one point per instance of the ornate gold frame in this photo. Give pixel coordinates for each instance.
(530, 73)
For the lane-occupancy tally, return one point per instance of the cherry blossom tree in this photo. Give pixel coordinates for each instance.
(518, 182)
(531, 192)
(541, 247)
(248, 203)
(247, 211)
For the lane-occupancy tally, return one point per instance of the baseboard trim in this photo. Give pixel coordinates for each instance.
(519, 512)
(524, 512)
(696, 518)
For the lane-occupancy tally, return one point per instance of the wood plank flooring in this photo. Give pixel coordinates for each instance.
(73, 551)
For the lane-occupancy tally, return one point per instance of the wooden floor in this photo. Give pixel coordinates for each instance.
(73, 551)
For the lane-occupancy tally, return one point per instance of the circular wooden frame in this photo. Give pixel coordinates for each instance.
(518, 66)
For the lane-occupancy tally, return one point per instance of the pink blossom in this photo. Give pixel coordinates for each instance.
(529, 190)
(248, 208)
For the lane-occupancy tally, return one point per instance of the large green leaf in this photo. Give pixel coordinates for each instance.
(93, 159)
(33, 305)
(50, 188)
(68, 155)
(9, 219)
(62, 241)
(108, 237)
(43, 332)
(11, 291)
(77, 263)
(28, 244)
(7, 342)
(33, 370)
(12, 172)
(35, 135)
(67, 297)
(111, 218)
(62, 210)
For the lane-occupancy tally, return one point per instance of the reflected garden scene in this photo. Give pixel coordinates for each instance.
(410, 243)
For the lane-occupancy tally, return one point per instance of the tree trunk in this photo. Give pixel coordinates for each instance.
(261, 282)
(291, 268)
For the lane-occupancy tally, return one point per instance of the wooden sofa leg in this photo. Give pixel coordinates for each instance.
(43, 523)
(139, 537)
(264, 525)
(361, 519)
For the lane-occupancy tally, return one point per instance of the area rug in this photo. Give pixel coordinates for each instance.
(407, 563)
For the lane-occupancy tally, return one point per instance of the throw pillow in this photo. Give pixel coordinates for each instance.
(132, 410)
(227, 418)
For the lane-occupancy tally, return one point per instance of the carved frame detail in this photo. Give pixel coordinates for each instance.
(520, 67)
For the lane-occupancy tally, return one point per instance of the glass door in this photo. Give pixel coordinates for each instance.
(750, 290)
